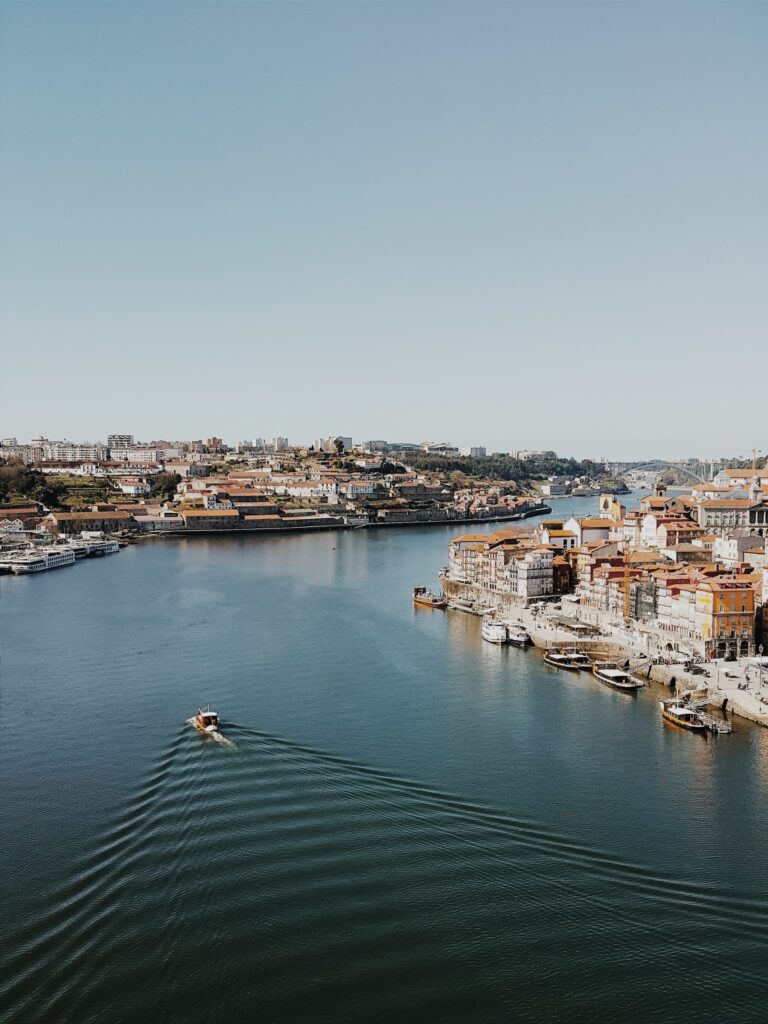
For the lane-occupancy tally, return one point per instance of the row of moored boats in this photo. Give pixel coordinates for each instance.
(607, 672)
(497, 631)
(33, 559)
(676, 711)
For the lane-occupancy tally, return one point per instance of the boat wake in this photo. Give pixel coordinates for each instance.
(379, 882)
(216, 736)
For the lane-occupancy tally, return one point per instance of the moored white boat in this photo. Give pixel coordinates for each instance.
(572, 660)
(41, 561)
(517, 635)
(617, 678)
(493, 631)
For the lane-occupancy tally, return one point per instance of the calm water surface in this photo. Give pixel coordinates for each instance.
(412, 824)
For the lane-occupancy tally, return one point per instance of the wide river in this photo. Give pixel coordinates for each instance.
(411, 825)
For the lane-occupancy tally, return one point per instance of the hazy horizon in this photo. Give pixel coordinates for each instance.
(515, 226)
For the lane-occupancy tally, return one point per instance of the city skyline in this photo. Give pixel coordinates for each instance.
(286, 441)
(513, 225)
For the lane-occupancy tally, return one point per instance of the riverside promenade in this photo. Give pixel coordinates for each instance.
(739, 687)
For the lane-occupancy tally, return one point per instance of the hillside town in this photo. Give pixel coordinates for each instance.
(688, 570)
(685, 572)
(173, 487)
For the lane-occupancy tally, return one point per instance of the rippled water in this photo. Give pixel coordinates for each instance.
(411, 824)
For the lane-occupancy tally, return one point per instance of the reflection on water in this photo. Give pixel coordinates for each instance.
(415, 824)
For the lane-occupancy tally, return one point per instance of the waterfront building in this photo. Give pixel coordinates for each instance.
(554, 490)
(209, 519)
(107, 521)
(725, 617)
(420, 491)
(507, 561)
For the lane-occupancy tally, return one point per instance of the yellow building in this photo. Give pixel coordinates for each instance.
(725, 617)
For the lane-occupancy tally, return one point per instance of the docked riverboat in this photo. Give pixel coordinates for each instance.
(686, 717)
(517, 635)
(493, 631)
(617, 678)
(426, 599)
(574, 661)
(41, 561)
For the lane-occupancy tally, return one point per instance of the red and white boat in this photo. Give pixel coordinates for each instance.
(206, 721)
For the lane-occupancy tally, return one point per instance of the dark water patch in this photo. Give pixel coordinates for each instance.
(326, 876)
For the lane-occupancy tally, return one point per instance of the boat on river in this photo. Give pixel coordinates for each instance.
(494, 631)
(517, 635)
(426, 599)
(206, 721)
(41, 560)
(681, 714)
(574, 661)
(617, 678)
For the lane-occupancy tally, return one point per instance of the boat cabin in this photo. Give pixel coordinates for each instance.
(207, 720)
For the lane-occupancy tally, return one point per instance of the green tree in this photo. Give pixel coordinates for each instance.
(164, 485)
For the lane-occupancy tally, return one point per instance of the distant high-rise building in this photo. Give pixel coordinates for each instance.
(71, 451)
(475, 453)
(120, 441)
(258, 444)
(328, 444)
(279, 444)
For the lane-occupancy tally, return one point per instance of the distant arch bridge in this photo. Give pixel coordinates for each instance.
(658, 464)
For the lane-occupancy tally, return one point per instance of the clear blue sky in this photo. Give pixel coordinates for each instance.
(518, 225)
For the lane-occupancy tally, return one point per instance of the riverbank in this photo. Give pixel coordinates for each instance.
(339, 524)
(739, 688)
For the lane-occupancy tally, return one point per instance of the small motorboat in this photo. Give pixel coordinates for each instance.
(517, 635)
(206, 721)
(617, 678)
(493, 631)
(572, 660)
(677, 713)
(426, 599)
